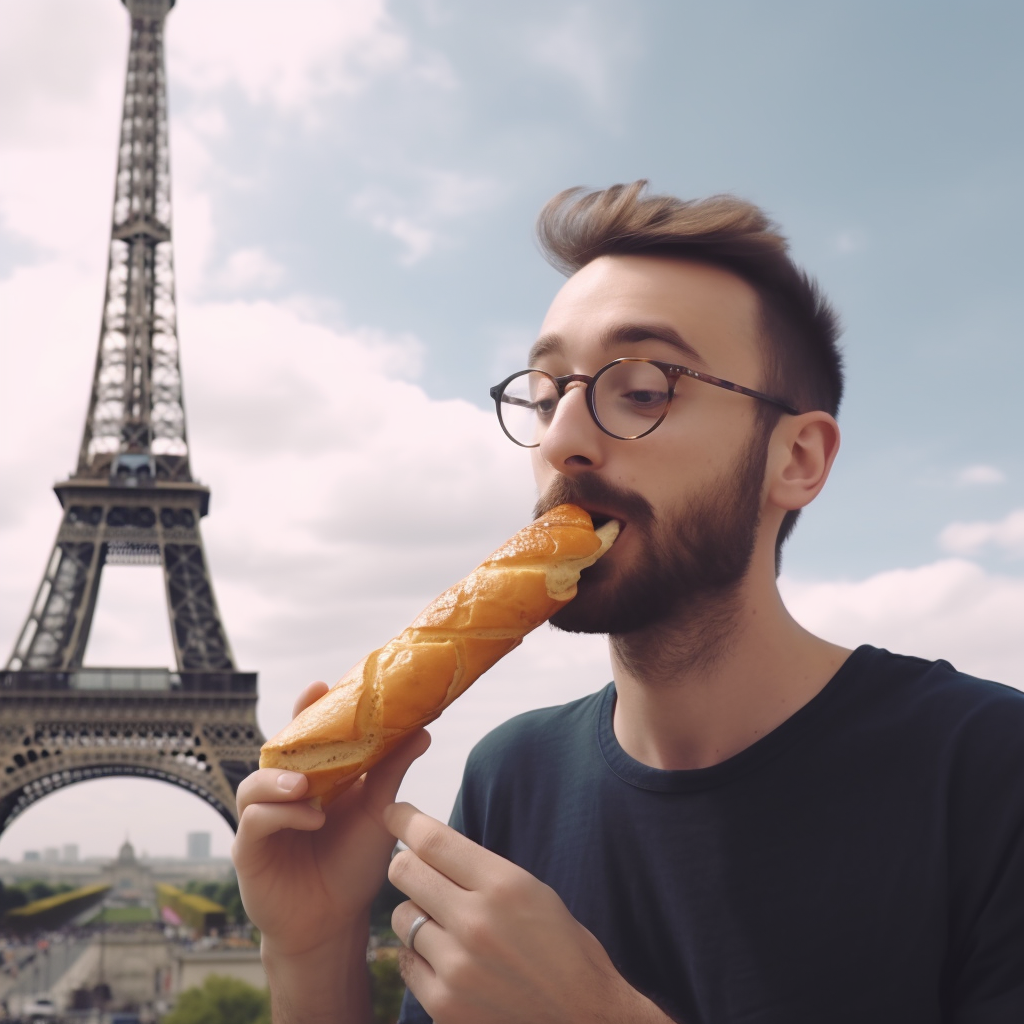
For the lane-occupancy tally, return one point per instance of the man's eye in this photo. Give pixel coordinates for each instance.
(646, 399)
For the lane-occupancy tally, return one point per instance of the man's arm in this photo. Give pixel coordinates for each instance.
(307, 880)
(500, 945)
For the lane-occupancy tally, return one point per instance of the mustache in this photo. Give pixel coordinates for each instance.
(590, 490)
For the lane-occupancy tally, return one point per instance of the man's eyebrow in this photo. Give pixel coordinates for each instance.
(552, 344)
(658, 332)
(545, 345)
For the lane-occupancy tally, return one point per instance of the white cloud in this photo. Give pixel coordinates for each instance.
(290, 56)
(972, 538)
(951, 609)
(586, 50)
(250, 268)
(420, 215)
(47, 77)
(981, 474)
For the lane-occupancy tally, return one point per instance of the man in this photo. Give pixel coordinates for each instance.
(750, 825)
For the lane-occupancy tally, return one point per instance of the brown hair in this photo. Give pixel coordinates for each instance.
(800, 329)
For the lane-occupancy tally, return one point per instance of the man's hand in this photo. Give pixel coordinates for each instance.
(308, 877)
(500, 946)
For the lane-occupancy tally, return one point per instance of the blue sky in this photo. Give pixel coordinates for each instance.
(355, 185)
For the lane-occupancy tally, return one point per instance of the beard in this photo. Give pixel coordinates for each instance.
(691, 560)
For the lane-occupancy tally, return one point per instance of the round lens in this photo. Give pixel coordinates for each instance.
(631, 397)
(527, 406)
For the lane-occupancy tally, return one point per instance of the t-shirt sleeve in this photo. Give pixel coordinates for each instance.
(987, 866)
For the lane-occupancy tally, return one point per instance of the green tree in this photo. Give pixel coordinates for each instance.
(10, 899)
(388, 988)
(224, 893)
(221, 1001)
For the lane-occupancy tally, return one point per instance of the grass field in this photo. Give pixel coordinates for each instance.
(123, 915)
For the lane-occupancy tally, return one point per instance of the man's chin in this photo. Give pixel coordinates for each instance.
(572, 619)
(602, 610)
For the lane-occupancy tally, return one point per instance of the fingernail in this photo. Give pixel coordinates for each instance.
(287, 781)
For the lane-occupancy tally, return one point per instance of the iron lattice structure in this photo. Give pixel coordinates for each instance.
(131, 501)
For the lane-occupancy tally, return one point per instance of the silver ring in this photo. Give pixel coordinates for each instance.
(416, 926)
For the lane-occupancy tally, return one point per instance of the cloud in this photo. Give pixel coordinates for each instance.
(973, 538)
(48, 76)
(950, 609)
(980, 474)
(585, 49)
(250, 268)
(287, 56)
(419, 215)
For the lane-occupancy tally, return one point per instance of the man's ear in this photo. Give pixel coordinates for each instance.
(800, 458)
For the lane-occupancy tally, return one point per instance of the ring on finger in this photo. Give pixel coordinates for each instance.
(415, 927)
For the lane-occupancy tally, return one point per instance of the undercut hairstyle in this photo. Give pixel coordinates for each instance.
(802, 364)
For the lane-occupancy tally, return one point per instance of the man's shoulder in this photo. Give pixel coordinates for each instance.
(540, 734)
(934, 685)
(931, 702)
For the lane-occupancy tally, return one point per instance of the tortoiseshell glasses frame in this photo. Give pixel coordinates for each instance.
(672, 372)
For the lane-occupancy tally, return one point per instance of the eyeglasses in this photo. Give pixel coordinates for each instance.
(627, 399)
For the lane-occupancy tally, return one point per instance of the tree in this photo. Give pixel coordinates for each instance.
(221, 1001)
(10, 899)
(224, 893)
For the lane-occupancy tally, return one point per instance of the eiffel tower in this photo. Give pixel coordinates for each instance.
(130, 501)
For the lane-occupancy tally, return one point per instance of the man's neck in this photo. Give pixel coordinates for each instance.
(695, 691)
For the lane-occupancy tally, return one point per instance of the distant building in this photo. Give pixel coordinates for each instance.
(177, 871)
(199, 846)
(69, 855)
(51, 855)
(194, 966)
(131, 882)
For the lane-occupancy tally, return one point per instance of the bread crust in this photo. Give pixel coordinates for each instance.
(408, 682)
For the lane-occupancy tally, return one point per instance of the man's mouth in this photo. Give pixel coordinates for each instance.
(600, 518)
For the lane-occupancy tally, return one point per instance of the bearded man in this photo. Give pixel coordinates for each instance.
(749, 825)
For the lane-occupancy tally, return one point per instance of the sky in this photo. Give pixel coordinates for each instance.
(355, 184)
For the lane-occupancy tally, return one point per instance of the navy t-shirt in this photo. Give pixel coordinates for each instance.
(863, 862)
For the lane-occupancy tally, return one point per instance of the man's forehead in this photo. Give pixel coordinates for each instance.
(695, 307)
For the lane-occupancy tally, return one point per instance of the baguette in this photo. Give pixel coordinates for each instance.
(409, 681)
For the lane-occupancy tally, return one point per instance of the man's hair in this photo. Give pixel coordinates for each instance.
(799, 328)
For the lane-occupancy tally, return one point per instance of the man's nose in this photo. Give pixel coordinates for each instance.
(573, 440)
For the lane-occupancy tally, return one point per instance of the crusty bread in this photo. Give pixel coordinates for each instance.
(411, 679)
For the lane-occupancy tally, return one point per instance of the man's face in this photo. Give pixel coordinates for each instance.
(689, 494)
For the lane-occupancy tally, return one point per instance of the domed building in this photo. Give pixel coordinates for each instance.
(131, 882)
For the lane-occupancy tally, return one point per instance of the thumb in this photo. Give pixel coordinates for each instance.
(383, 780)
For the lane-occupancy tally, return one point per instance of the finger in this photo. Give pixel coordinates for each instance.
(310, 695)
(430, 937)
(259, 821)
(383, 780)
(468, 865)
(270, 785)
(436, 894)
(419, 977)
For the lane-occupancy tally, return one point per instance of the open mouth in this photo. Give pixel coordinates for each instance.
(600, 518)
